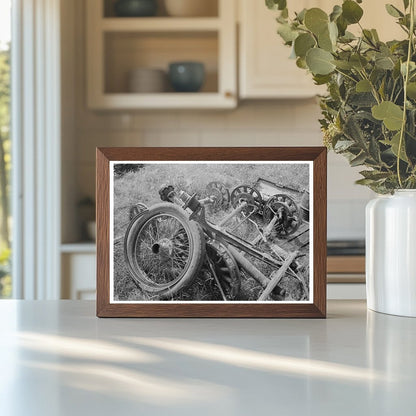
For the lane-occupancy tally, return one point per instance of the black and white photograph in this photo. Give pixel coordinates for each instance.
(211, 232)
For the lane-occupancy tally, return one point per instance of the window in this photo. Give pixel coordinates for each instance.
(5, 147)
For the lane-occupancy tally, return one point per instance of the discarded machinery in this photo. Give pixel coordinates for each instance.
(166, 245)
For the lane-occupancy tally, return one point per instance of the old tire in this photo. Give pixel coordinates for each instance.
(164, 250)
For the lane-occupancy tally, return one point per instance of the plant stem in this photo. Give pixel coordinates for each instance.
(406, 80)
(346, 75)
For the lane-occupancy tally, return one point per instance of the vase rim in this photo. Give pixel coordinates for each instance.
(405, 191)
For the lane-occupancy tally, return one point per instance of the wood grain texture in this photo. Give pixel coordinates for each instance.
(103, 231)
(317, 309)
(346, 264)
(345, 278)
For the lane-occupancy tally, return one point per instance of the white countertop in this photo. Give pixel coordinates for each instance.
(57, 358)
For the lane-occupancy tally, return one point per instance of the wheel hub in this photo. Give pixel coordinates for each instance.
(164, 248)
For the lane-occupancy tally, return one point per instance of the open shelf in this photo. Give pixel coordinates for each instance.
(160, 24)
(126, 51)
(210, 9)
(167, 100)
(87, 247)
(119, 45)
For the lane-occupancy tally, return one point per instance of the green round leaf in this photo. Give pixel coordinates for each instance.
(301, 15)
(358, 61)
(344, 65)
(316, 20)
(395, 144)
(276, 4)
(287, 33)
(384, 62)
(336, 12)
(333, 32)
(393, 11)
(301, 63)
(303, 43)
(391, 114)
(342, 25)
(363, 86)
(351, 11)
(328, 38)
(322, 79)
(319, 61)
(411, 90)
(324, 41)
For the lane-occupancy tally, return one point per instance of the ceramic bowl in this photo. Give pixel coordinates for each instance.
(186, 76)
(135, 8)
(147, 80)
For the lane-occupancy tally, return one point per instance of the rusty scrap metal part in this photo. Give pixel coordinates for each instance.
(247, 194)
(304, 206)
(136, 210)
(225, 268)
(233, 213)
(217, 280)
(277, 276)
(216, 231)
(268, 188)
(219, 195)
(248, 266)
(167, 193)
(287, 212)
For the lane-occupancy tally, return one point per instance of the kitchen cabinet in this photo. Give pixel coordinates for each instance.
(118, 45)
(78, 263)
(346, 277)
(265, 70)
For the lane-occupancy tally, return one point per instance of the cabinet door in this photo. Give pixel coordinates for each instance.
(376, 17)
(78, 276)
(265, 68)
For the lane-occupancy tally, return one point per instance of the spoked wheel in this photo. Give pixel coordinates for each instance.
(225, 268)
(247, 194)
(220, 194)
(164, 250)
(136, 210)
(287, 212)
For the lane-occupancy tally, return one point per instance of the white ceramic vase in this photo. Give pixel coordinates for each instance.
(391, 253)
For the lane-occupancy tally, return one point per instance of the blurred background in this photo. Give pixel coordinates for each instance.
(147, 73)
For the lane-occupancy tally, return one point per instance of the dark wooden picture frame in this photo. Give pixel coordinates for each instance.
(314, 309)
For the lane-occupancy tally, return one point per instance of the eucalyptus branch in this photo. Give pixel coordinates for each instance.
(370, 64)
(404, 28)
(406, 80)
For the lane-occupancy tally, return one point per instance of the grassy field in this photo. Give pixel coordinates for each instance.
(143, 186)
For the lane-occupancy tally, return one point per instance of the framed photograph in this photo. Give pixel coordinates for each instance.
(211, 232)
